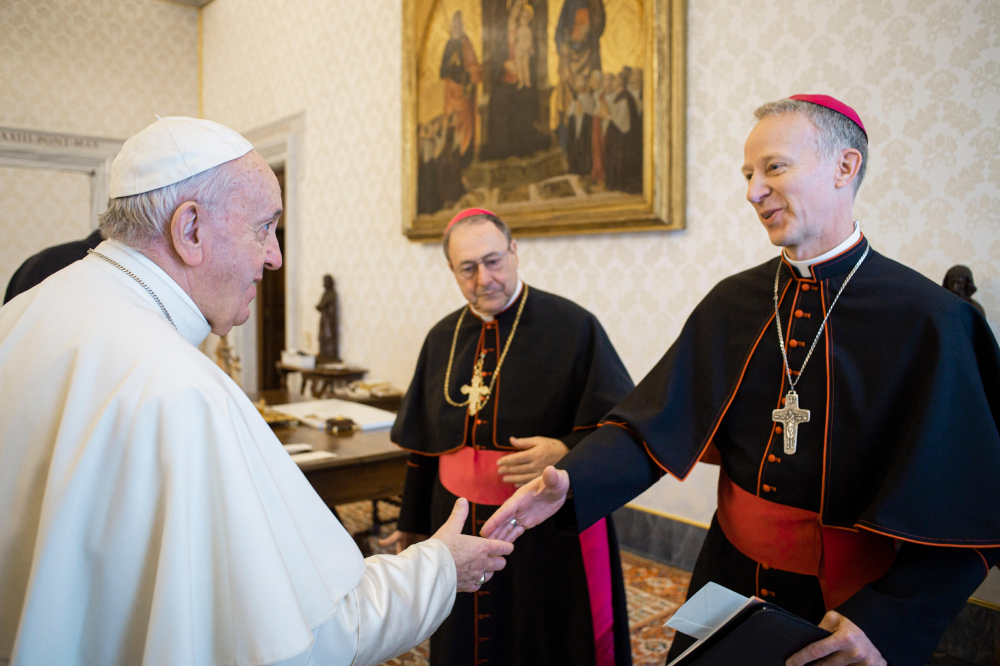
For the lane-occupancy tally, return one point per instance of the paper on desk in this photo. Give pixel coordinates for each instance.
(706, 611)
(312, 456)
(315, 413)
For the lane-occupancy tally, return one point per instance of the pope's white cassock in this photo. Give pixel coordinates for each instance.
(148, 514)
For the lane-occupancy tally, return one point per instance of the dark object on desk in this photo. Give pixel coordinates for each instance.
(760, 635)
(958, 280)
(329, 348)
(341, 426)
(50, 260)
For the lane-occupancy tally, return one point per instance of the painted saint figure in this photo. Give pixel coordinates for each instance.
(461, 71)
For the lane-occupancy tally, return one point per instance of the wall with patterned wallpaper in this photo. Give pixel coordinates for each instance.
(90, 67)
(97, 67)
(924, 75)
(39, 206)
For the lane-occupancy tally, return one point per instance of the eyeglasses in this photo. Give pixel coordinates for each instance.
(493, 262)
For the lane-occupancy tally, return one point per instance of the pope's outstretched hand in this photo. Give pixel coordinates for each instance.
(475, 559)
(533, 503)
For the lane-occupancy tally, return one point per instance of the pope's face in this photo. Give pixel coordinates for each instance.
(480, 242)
(239, 244)
(790, 185)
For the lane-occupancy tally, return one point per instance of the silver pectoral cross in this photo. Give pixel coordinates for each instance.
(791, 416)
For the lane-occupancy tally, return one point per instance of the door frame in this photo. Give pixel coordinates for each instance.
(59, 151)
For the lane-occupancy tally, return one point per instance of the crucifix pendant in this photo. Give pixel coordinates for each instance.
(790, 416)
(478, 392)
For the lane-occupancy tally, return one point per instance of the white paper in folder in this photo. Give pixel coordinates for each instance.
(315, 413)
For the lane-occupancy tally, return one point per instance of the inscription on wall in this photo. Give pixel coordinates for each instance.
(51, 140)
(32, 141)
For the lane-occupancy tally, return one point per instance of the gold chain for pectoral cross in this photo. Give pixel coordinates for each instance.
(496, 372)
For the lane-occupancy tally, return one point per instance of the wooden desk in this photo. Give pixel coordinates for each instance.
(368, 466)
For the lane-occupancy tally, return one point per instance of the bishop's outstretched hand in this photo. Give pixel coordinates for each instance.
(532, 504)
(475, 559)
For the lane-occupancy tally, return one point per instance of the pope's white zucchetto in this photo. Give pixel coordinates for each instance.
(169, 151)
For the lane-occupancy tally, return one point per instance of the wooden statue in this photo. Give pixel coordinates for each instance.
(958, 280)
(329, 351)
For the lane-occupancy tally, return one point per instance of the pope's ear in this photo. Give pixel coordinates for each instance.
(186, 233)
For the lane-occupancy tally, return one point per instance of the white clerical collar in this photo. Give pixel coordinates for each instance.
(486, 317)
(190, 322)
(803, 266)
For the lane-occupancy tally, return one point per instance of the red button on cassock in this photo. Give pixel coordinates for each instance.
(805, 287)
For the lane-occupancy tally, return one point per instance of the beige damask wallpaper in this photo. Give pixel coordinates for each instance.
(96, 67)
(923, 74)
(90, 67)
(39, 206)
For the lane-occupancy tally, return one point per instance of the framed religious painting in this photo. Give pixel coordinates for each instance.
(561, 116)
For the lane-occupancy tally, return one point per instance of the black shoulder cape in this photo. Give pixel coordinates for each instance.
(912, 451)
(561, 373)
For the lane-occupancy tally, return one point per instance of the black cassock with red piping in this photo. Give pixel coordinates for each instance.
(903, 390)
(561, 375)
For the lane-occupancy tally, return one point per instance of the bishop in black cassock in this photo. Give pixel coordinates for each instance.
(560, 599)
(878, 517)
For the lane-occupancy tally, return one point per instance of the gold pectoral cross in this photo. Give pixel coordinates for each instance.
(478, 392)
(791, 416)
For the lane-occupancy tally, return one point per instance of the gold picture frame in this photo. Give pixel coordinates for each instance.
(541, 207)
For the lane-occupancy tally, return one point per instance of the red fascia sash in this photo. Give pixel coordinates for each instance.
(472, 474)
(792, 539)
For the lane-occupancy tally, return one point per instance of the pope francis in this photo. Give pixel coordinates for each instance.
(147, 513)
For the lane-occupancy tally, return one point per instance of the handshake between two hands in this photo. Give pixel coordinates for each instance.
(477, 558)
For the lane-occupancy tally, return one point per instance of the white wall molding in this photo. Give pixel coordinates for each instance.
(32, 149)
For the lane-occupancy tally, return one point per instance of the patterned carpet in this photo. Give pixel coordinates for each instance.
(654, 592)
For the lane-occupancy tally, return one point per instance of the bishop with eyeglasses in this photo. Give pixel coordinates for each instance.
(505, 386)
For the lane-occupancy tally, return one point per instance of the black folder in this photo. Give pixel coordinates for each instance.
(760, 634)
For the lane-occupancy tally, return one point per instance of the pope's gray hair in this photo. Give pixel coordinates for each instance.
(141, 219)
(836, 131)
